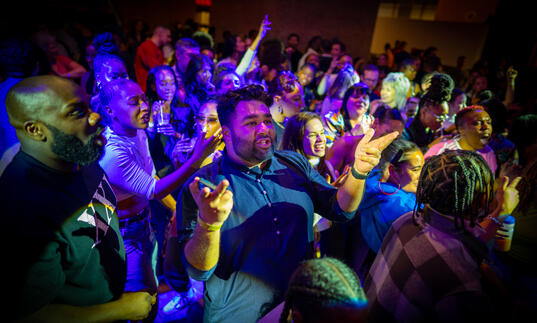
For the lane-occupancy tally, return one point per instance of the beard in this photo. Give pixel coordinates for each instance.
(71, 149)
(249, 151)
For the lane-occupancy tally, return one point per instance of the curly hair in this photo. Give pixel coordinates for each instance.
(457, 183)
(318, 284)
(439, 91)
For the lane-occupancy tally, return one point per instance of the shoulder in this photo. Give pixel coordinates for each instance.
(292, 156)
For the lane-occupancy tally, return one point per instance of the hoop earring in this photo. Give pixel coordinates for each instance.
(398, 188)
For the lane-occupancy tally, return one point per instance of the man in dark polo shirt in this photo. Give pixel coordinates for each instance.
(247, 235)
(64, 255)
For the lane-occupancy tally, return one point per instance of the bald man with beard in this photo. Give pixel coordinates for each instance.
(63, 252)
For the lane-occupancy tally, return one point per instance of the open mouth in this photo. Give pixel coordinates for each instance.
(319, 147)
(264, 143)
(145, 118)
(484, 138)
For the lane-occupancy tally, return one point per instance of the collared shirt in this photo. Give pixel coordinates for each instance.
(427, 272)
(266, 236)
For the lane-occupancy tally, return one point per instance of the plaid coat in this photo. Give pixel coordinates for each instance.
(427, 273)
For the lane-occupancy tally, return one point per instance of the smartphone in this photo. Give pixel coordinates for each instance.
(207, 183)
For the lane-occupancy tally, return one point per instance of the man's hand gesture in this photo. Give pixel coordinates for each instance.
(367, 153)
(214, 206)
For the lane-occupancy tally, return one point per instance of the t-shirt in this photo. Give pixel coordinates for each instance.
(62, 242)
(148, 55)
(453, 144)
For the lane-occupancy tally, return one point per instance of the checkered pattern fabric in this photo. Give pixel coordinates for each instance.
(424, 273)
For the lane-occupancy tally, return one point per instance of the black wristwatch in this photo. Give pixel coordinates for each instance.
(357, 175)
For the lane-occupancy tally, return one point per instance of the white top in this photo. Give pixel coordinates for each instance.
(128, 165)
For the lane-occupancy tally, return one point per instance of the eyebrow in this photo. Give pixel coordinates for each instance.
(254, 116)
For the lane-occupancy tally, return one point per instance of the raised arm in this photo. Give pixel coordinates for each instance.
(510, 91)
(366, 157)
(249, 56)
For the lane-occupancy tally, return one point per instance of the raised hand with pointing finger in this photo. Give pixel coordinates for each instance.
(367, 153)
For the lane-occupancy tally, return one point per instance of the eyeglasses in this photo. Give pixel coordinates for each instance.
(440, 118)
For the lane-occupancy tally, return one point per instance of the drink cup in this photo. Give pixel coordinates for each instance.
(504, 235)
(162, 117)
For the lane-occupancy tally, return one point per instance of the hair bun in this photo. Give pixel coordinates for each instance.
(105, 44)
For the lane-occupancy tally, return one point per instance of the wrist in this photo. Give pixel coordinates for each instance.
(358, 174)
(210, 227)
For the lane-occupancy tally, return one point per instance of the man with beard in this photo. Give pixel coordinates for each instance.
(246, 236)
(59, 210)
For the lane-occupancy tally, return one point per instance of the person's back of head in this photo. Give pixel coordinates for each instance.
(324, 290)
(17, 58)
(271, 54)
(440, 88)
(458, 183)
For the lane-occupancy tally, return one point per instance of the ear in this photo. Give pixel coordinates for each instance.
(391, 172)
(226, 133)
(277, 98)
(35, 130)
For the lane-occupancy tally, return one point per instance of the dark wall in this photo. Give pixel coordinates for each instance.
(352, 22)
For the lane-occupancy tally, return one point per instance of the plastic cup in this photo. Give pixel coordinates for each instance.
(504, 235)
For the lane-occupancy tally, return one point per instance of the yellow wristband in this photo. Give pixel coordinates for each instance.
(207, 226)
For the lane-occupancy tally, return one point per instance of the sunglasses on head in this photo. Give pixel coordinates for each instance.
(287, 81)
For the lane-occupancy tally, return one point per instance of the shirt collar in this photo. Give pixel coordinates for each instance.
(271, 166)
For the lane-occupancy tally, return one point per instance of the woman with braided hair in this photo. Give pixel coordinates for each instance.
(429, 265)
(324, 290)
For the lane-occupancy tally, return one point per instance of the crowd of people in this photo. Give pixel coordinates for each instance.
(160, 176)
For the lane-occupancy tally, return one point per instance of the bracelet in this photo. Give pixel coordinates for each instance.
(207, 226)
(357, 175)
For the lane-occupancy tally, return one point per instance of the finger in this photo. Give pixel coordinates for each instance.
(195, 190)
(385, 141)
(504, 183)
(370, 151)
(367, 137)
(153, 299)
(220, 189)
(194, 187)
(369, 159)
(515, 182)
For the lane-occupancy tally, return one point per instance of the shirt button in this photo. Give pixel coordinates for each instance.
(259, 180)
(275, 219)
(269, 205)
(265, 192)
(278, 232)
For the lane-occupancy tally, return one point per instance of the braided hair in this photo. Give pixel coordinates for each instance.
(318, 284)
(457, 183)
